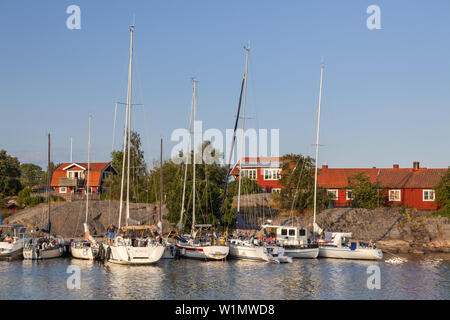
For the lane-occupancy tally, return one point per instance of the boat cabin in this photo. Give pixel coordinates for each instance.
(14, 231)
(286, 234)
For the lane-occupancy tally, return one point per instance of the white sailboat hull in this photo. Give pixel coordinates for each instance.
(347, 253)
(43, 254)
(204, 252)
(85, 253)
(125, 254)
(170, 252)
(248, 253)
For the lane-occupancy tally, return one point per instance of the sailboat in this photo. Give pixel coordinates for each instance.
(336, 244)
(47, 247)
(88, 248)
(196, 247)
(131, 247)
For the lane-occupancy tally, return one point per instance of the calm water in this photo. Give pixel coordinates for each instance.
(411, 278)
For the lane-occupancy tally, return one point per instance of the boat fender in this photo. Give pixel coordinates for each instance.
(108, 253)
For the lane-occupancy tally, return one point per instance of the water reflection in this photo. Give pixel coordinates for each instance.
(414, 278)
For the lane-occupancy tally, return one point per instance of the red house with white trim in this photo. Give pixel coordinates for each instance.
(411, 187)
(266, 171)
(69, 178)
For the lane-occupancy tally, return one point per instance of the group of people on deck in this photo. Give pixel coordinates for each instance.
(6, 237)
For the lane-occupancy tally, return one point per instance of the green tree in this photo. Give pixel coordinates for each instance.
(9, 175)
(248, 186)
(364, 193)
(297, 181)
(30, 174)
(443, 194)
(44, 174)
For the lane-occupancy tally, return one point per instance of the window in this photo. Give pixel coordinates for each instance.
(292, 232)
(249, 173)
(284, 232)
(394, 195)
(75, 174)
(272, 174)
(428, 195)
(302, 232)
(348, 195)
(62, 189)
(333, 194)
(276, 190)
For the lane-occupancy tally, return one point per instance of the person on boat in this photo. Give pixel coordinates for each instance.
(111, 233)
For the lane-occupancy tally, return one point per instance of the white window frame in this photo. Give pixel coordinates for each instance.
(393, 199)
(252, 174)
(71, 174)
(346, 194)
(276, 190)
(428, 191)
(61, 189)
(275, 174)
(335, 192)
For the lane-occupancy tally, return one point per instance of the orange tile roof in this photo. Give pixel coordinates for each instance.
(387, 177)
(96, 169)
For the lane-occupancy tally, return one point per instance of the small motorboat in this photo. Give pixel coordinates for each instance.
(12, 240)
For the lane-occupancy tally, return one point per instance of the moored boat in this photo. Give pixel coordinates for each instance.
(12, 241)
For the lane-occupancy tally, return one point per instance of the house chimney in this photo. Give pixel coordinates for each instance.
(324, 166)
(395, 166)
(415, 165)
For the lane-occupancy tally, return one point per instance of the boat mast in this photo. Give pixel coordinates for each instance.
(243, 135)
(160, 186)
(231, 154)
(48, 182)
(125, 134)
(193, 165)
(188, 155)
(317, 149)
(129, 120)
(86, 229)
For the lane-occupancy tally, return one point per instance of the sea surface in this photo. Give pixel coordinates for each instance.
(406, 277)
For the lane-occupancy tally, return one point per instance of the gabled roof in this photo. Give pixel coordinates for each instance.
(95, 173)
(387, 177)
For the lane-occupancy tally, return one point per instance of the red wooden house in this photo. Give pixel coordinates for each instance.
(266, 171)
(71, 178)
(409, 187)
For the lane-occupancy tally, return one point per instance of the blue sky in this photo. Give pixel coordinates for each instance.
(386, 92)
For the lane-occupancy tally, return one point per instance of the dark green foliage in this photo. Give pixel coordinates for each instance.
(31, 175)
(297, 180)
(365, 194)
(248, 186)
(443, 194)
(9, 175)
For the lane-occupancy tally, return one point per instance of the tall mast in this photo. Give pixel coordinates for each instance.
(48, 181)
(70, 149)
(86, 229)
(160, 182)
(193, 165)
(317, 148)
(231, 154)
(129, 120)
(188, 155)
(126, 132)
(243, 123)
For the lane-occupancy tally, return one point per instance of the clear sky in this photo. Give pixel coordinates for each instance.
(386, 93)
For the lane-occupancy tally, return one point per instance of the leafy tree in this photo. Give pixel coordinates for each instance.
(9, 175)
(248, 186)
(30, 174)
(364, 193)
(297, 181)
(443, 194)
